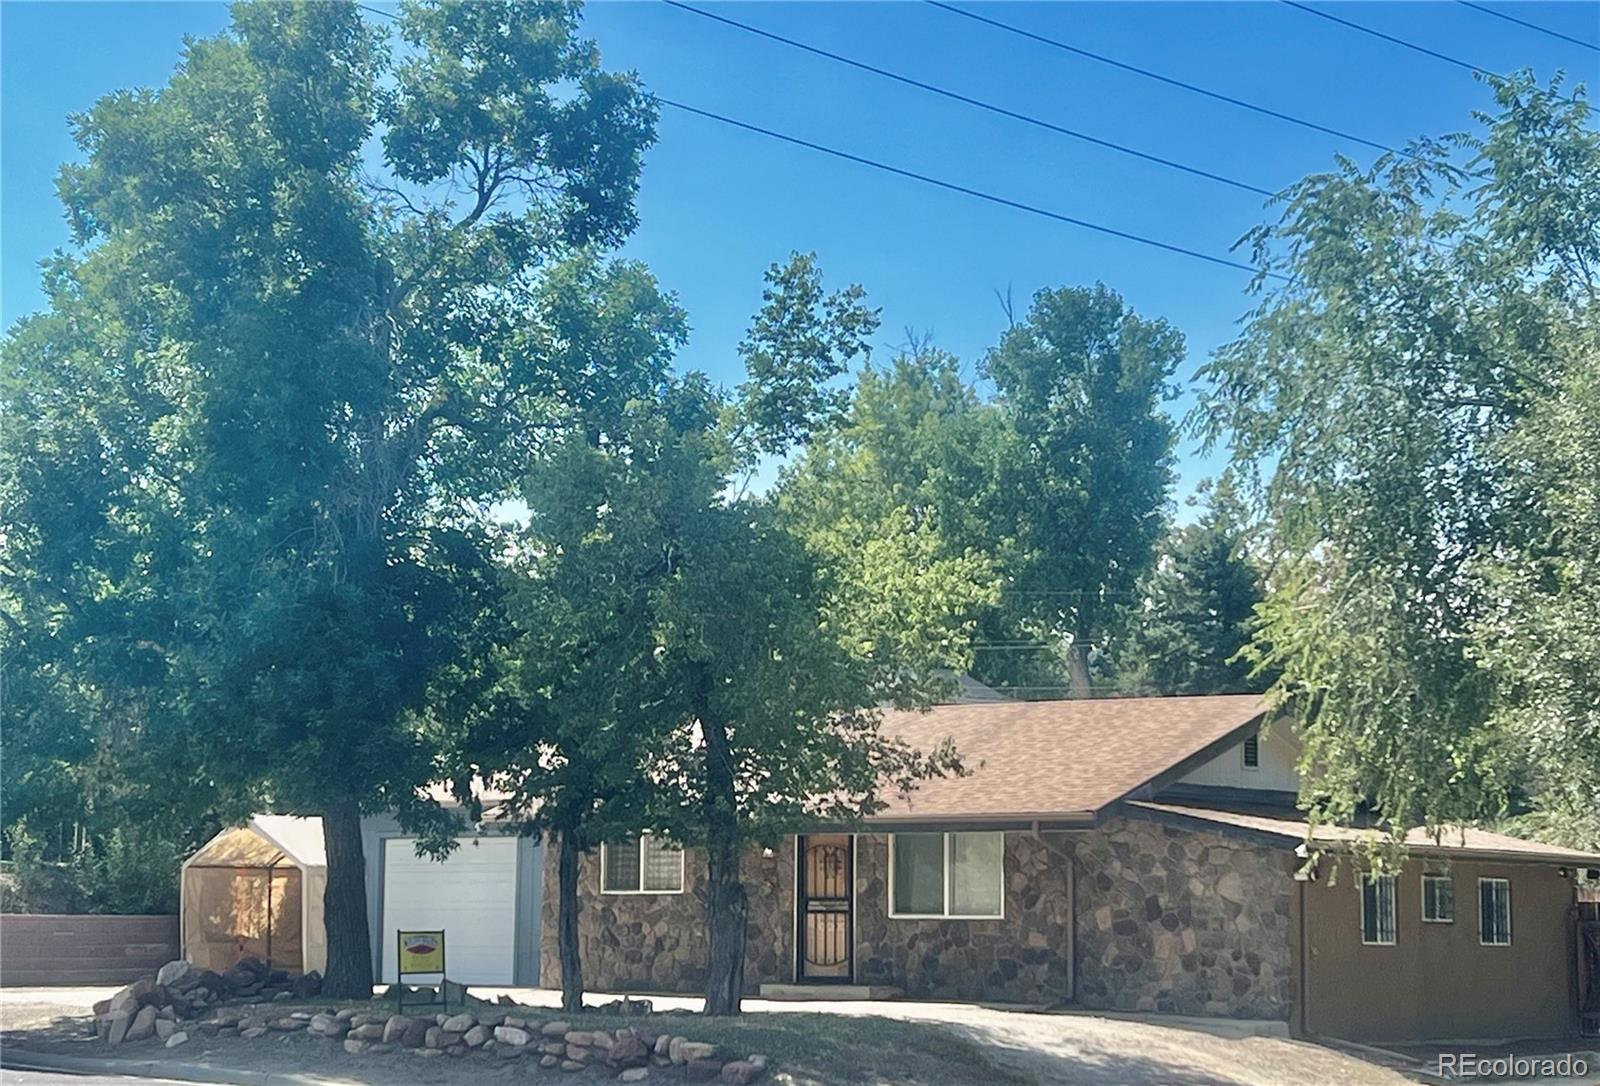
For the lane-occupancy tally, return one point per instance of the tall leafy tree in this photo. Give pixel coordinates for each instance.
(309, 328)
(1081, 381)
(1193, 624)
(1437, 328)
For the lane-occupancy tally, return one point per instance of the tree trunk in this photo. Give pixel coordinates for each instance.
(567, 925)
(726, 918)
(1078, 668)
(726, 910)
(344, 905)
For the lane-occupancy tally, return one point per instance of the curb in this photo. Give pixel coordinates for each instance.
(21, 1059)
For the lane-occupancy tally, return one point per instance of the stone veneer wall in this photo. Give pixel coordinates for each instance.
(657, 942)
(1180, 921)
(1022, 958)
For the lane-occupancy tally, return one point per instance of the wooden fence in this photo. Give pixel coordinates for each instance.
(38, 950)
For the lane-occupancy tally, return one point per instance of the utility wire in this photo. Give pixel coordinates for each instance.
(1193, 88)
(1403, 43)
(951, 186)
(1487, 10)
(979, 194)
(955, 96)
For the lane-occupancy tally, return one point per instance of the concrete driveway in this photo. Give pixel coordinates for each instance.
(1078, 1048)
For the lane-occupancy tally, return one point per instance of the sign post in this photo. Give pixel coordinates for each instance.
(419, 952)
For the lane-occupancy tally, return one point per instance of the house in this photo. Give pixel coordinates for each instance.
(1139, 854)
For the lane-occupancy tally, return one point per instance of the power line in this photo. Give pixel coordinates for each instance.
(951, 186)
(1254, 107)
(975, 193)
(979, 103)
(1487, 10)
(1403, 43)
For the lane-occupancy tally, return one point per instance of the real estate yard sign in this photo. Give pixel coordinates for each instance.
(420, 952)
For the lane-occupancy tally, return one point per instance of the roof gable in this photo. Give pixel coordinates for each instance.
(1050, 760)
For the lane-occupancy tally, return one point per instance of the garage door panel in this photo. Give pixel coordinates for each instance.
(471, 895)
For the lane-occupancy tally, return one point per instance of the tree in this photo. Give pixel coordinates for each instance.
(1081, 380)
(1190, 633)
(250, 447)
(1386, 402)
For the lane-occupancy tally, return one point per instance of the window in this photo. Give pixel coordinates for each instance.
(645, 865)
(1252, 752)
(947, 875)
(1377, 910)
(1494, 912)
(1438, 899)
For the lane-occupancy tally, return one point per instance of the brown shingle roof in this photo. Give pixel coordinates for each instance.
(1454, 840)
(1052, 759)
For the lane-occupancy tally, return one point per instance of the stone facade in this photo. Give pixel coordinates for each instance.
(1022, 958)
(1180, 921)
(657, 942)
(1132, 916)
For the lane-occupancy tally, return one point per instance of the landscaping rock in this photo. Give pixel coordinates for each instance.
(102, 1006)
(177, 1039)
(576, 1052)
(132, 997)
(697, 1050)
(556, 1029)
(326, 1025)
(143, 1024)
(740, 1073)
(395, 1028)
(117, 1026)
(628, 1052)
(177, 976)
(697, 1070)
(355, 1046)
(571, 1065)
(458, 1023)
(165, 1027)
(371, 1031)
(475, 1036)
(512, 1035)
(439, 1037)
(416, 1034)
(601, 1039)
(578, 1037)
(635, 1074)
(548, 1061)
(346, 1014)
(663, 1042)
(253, 1032)
(457, 1050)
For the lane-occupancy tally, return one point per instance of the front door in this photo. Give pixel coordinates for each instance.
(826, 917)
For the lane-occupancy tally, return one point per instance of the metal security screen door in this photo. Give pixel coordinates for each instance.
(824, 879)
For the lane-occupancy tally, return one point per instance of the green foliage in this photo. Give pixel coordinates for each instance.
(1041, 506)
(1393, 403)
(1197, 613)
(248, 453)
(1081, 381)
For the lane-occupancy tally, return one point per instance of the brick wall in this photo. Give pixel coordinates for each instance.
(40, 950)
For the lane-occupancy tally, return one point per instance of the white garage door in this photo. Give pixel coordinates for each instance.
(472, 895)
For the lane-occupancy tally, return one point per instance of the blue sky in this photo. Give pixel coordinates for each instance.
(718, 205)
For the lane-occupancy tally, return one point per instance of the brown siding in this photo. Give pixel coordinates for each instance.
(48, 950)
(1437, 982)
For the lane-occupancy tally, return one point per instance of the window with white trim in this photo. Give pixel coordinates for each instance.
(1377, 910)
(1438, 899)
(1252, 752)
(947, 875)
(1494, 912)
(645, 865)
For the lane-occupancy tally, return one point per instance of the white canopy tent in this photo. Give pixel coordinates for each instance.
(257, 890)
